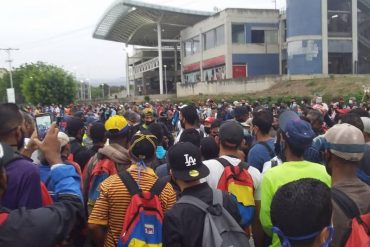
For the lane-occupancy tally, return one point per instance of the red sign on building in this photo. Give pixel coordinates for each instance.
(240, 71)
(191, 67)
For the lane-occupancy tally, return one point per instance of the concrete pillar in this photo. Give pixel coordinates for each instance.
(159, 32)
(325, 49)
(127, 71)
(181, 61)
(202, 78)
(228, 50)
(354, 37)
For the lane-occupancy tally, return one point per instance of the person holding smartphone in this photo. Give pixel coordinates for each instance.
(23, 179)
(46, 226)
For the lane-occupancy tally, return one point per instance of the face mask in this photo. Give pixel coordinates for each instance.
(207, 130)
(286, 239)
(20, 142)
(246, 133)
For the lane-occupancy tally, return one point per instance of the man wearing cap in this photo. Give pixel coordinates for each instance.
(148, 118)
(345, 145)
(296, 135)
(183, 223)
(107, 217)
(117, 130)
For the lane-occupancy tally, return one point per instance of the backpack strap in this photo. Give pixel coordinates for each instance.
(159, 185)
(347, 205)
(129, 182)
(269, 149)
(225, 163)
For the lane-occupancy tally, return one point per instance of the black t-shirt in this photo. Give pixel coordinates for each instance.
(183, 224)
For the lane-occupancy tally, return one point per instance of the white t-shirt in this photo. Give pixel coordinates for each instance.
(177, 139)
(216, 169)
(267, 165)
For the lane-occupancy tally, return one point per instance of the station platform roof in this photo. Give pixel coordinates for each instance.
(135, 23)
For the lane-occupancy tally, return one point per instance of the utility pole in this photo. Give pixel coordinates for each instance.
(9, 50)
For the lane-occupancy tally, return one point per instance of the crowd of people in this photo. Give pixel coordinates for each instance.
(177, 175)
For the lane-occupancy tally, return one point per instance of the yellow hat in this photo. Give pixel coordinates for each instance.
(148, 111)
(116, 122)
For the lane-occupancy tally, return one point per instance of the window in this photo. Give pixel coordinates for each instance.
(339, 18)
(220, 35)
(209, 39)
(187, 48)
(258, 36)
(215, 74)
(196, 45)
(238, 33)
(271, 37)
(340, 63)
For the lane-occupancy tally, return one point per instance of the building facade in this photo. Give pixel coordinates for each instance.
(328, 36)
(233, 43)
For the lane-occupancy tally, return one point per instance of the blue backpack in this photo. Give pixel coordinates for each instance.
(144, 216)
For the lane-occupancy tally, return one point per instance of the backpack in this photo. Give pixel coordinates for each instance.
(220, 228)
(144, 216)
(359, 233)
(238, 181)
(101, 169)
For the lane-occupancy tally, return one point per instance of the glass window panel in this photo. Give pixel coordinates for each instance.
(271, 37)
(209, 40)
(258, 36)
(238, 33)
(196, 44)
(220, 35)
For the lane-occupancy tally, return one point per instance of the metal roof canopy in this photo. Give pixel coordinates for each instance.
(135, 23)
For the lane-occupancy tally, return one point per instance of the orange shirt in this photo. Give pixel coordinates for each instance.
(110, 208)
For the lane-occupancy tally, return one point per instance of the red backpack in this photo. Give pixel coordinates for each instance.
(144, 216)
(358, 234)
(101, 169)
(237, 181)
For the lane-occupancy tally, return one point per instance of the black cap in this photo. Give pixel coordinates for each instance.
(74, 125)
(185, 161)
(231, 133)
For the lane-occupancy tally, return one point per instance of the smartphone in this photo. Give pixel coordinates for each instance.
(43, 122)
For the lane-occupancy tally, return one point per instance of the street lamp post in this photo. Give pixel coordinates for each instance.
(165, 76)
(103, 89)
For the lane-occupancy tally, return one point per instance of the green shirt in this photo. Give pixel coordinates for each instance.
(276, 177)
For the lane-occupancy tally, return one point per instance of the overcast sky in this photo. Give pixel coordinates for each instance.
(59, 32)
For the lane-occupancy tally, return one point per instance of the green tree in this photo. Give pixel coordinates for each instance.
(47, 84)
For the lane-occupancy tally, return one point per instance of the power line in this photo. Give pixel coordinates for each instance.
(58, 36)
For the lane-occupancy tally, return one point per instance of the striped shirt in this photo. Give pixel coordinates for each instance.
(110, 208)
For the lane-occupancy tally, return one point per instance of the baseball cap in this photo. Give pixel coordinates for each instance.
(232, 133)
(117, 125)
(63, 139)
(345, 141)
(148, 111)
(298, 132)
(185, 161)
(366, 122)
